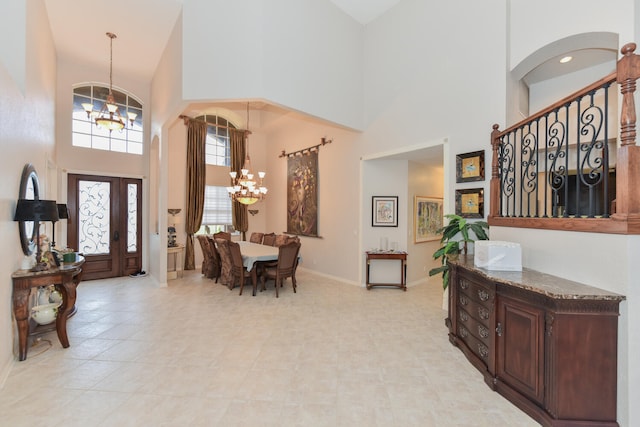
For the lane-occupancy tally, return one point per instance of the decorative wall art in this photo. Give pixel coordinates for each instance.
(470, 167)
(302, 194)
(384, 211)
(470, 203)
(427, 218)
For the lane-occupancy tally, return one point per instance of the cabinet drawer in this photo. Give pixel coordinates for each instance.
(474, 291)
(478, 347)
(477, 328)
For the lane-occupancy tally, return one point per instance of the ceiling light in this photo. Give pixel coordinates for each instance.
(565, 59)
(244, 188)
(109, 116)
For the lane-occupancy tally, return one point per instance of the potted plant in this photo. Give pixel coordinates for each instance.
(450, 246)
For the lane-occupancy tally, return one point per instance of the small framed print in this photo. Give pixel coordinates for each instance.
(470, 167)
(470, 203)
(427, 219)
(384, 211)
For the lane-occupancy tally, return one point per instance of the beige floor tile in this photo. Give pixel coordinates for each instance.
(196, 354)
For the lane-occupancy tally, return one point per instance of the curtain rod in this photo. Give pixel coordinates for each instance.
(307, 150)
(187, 118)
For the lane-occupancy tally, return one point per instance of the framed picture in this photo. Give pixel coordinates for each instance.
(470, 167)
(470, 203)
(384, 211)
(427, 218)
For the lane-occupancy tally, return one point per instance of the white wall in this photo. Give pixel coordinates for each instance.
(303, 54)
(23, 94)
(442, 73)
(166, 105)
(539, 23)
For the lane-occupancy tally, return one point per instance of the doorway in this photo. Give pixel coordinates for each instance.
(105, 224)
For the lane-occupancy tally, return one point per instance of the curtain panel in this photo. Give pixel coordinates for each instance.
(196, 170)
(238, 153)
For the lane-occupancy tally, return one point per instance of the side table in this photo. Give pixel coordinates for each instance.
(177, 252)
(389, 255)
(65, 278)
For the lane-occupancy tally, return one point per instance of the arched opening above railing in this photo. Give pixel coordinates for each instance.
(563, 168)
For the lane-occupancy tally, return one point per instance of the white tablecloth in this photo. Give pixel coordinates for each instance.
(252, 252)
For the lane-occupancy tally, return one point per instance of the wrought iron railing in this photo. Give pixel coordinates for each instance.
(557, 164)
(563, 168)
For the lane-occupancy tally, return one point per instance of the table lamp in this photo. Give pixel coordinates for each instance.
(63, 213)
(36, 211)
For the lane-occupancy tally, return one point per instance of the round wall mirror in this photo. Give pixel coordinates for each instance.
(29, 189)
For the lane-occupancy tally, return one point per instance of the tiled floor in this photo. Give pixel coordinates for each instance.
(197, 354)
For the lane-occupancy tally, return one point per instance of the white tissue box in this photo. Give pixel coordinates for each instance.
(497, 255)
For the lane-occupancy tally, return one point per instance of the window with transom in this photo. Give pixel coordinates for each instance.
(85, 132)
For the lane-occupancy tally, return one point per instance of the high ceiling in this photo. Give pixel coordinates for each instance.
(79, 29)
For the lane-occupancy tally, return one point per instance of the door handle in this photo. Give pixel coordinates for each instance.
(116, 236)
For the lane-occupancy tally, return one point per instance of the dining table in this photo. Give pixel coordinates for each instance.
(253, 254)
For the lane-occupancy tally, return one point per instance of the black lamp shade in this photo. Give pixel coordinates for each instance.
(36, 210)
(63, 212)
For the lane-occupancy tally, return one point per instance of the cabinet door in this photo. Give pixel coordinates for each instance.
(520, 342)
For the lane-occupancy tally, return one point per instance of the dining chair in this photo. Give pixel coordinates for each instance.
(281, 239)
(269, 239)
(239, 272)
(217, 264)
(208, 261)
(225, 262)
(222, 235)
(256, 237)
(285, 267)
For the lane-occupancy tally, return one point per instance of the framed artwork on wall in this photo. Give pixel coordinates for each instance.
(384, 211)
(470, 167)
(427, 218)
(302, 194)
(470, 203)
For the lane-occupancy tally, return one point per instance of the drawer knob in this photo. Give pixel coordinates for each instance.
(463, 332)
(483, 295)
(483, 350)
(484, 332)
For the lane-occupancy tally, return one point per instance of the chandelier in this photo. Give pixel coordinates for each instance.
(244, 188)
(109, 116)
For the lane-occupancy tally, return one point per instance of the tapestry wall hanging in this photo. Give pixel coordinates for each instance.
(302, 194)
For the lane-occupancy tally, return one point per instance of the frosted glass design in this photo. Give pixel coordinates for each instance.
(93, 217)
(132, 218)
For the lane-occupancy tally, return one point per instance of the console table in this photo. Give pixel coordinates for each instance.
(177, 252)
(66, 278)
(547, 344)
(389, 255)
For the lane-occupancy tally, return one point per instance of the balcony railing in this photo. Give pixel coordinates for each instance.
(563, 167)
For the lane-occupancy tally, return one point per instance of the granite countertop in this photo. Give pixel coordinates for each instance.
(542, 283)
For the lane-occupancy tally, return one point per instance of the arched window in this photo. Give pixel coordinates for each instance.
(84, 131)
(217, 148)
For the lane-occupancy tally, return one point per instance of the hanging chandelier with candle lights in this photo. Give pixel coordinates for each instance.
(244, 188)
(109, 116)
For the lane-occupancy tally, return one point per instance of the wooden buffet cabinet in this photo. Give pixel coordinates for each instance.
(547, 344)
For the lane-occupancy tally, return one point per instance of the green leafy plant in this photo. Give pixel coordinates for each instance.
(450, 246)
